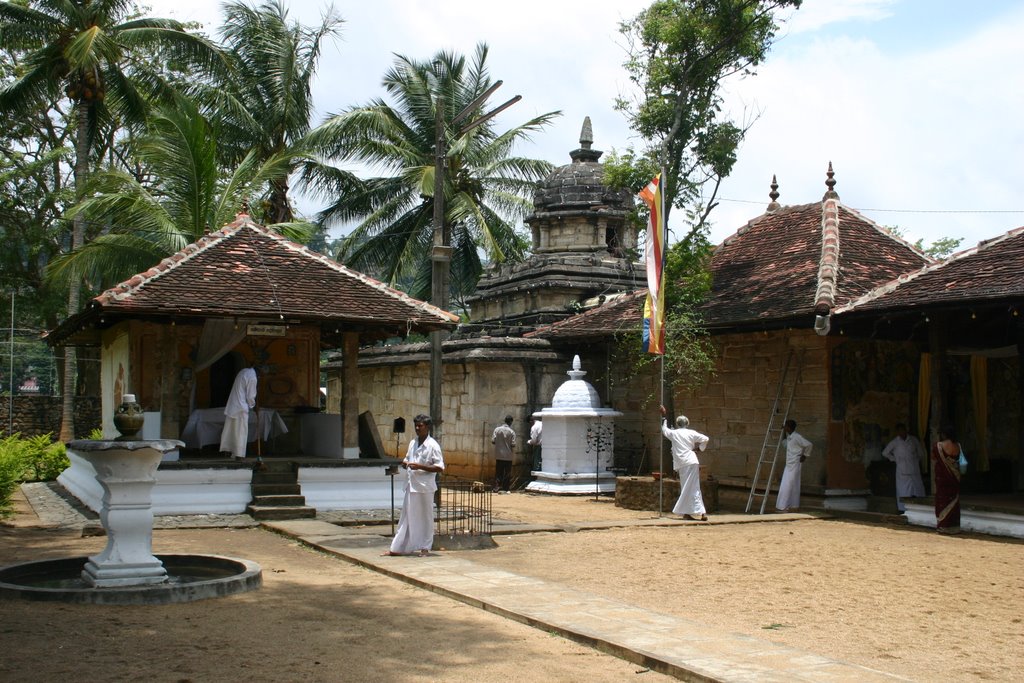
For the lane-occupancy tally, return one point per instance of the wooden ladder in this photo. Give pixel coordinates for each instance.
(773, 436)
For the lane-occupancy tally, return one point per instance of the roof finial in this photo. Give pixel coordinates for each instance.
(244, 211)
(774, 196)
(587, 134)
(830, 183)
(585, 153)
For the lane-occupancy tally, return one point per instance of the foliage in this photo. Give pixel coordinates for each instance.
(690, 355)
(485, 188)
(12, 466)
(36, 458)
(265, 103)
(680, 53)
(145, 222)
(88, 53)
(940, 249)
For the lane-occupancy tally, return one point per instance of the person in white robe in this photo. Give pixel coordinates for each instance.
(535, 440)
(907, 452)
(235, 434)
(685, 443)
(797, 450)
(423, 460)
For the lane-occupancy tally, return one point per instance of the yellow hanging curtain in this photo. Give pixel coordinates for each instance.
(924, 396)
(979, 399)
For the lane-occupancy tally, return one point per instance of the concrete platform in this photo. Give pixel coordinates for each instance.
(668, 644)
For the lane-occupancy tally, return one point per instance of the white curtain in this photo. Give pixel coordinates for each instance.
(219, 336)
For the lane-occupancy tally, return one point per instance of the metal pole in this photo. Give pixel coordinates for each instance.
(440, 257)
(10, 378)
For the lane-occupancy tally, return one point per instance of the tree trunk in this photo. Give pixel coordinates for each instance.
(67, 418)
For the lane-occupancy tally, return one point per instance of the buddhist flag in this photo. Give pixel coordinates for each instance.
(654, 307)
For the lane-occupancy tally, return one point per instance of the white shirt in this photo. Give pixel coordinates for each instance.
(796, 446)
(906, 453)
(535, 433)
(684, 441)
(243, 394)
(426, 453)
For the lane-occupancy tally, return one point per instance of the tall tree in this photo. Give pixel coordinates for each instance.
(486, 189)
(188, 195)
(83, 49)
(680, 52)
(266, 104)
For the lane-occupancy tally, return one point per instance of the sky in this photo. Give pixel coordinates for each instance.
(916, 103)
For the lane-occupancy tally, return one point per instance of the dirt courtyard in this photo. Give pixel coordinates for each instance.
(902, 600)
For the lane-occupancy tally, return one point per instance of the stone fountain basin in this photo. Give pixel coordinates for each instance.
(190, 578)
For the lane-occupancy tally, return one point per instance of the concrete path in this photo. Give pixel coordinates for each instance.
(668, 644)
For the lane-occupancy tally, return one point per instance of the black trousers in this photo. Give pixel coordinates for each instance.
(502, 475)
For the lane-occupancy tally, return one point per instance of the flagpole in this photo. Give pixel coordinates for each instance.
(661, 451)
(663, 228)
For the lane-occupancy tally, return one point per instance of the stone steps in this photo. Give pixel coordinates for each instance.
(276, 494)
(280, 512)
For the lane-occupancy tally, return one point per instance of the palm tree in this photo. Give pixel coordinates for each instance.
(83, 49)
(485, 188)
(190, 195)
(265, 104)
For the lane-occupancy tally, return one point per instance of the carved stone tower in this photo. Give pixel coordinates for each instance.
(583, 247)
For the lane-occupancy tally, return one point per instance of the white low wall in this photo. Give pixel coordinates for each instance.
(980, 521)
(176, 492)
(366, 487)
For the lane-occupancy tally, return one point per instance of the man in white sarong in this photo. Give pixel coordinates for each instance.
(797, 450)
(685, 442)
(235, 435)
(536, 438)
(907, 452)
(423, 460)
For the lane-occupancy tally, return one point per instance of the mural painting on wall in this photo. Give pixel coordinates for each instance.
(874, 385)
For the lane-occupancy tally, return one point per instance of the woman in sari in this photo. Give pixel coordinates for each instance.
(945, 461)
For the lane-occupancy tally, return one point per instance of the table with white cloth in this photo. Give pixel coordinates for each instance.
(205, 425)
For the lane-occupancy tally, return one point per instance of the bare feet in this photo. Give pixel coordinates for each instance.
(388, 553)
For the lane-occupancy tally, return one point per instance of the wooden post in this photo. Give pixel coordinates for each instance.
(350, 395)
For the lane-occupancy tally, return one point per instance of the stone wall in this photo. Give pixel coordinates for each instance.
(476, 398)
(35, 415)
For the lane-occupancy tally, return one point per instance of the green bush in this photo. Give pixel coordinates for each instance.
(47, 458)
(35, 458)
(13, 464)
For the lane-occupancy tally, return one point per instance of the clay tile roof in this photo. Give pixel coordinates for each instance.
(618, 313)
(991, 272)
(798, 261)
(246, 270)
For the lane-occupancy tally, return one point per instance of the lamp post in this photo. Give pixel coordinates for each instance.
(441, 252)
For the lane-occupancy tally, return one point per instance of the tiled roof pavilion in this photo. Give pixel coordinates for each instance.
(246, 271)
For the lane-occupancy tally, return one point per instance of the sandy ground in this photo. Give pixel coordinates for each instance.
(899, 599)
(910, 602)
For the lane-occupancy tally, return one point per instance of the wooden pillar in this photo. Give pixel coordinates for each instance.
(1018, 462)
(350, 395)
(937, 378)
(169, 372)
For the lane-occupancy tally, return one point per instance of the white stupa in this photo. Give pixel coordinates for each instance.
(579, 439)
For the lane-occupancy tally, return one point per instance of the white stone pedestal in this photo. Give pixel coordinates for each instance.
(579, 441)
(126, 470)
